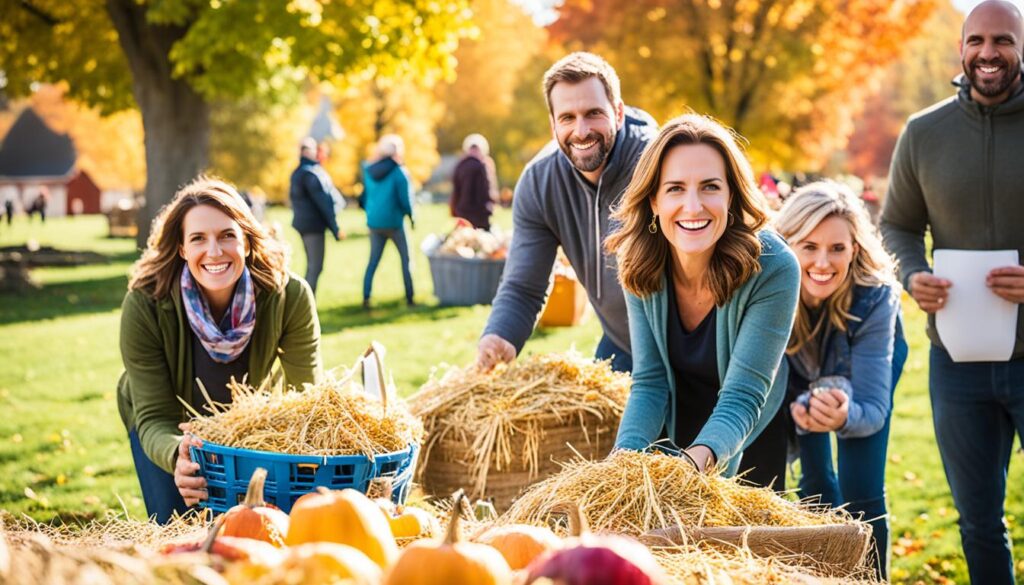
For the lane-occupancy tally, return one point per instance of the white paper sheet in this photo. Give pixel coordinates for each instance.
(976, 325)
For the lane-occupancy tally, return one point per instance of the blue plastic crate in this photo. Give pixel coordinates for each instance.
(228, 470)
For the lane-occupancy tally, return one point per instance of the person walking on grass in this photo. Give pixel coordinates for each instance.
(473, 185)
(312, 198)
(211, 299)
(957, 172)
(564, 198)
(387, 199)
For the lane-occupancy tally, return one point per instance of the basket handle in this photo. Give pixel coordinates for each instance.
(380, 388)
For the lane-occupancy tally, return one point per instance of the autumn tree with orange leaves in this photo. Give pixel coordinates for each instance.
(789, 75)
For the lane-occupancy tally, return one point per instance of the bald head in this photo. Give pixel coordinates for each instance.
(1000, 9)
(990, 51)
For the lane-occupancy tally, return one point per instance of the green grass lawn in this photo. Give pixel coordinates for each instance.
(64, 453)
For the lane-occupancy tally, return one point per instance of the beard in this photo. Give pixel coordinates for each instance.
(994, 87)
(591, 162)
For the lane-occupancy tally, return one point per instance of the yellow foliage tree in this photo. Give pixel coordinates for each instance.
(790, 75)
(378, 107)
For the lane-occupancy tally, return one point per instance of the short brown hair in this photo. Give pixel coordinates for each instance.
(161, 263)
(642, 256)
(580, 66)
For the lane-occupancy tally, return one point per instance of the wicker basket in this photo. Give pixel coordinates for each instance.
(838, 548)
(464, 282)
(449, 464)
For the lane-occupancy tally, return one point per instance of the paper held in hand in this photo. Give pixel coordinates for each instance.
(976, 325)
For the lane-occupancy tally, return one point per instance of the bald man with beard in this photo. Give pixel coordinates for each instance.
(958, 171)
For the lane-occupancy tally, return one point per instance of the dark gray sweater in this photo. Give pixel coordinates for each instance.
(958, 169)
(554, 205)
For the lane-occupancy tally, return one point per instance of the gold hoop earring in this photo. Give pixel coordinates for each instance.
(653, 227)
(732, 218)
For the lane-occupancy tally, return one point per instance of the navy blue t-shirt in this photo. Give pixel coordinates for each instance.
(694, 360)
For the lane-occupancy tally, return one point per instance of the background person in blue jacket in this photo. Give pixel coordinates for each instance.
(710, 294)
(312, 200)
(848, 344)
(387, 199)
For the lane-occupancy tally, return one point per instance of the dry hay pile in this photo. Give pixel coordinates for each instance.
(335, 417)
(112, 551)
(633, 493)
(699, 565)
(484, 411)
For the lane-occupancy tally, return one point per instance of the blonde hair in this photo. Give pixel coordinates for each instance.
(871, 265)
(642, 255)
(580, 66)
(161, 262)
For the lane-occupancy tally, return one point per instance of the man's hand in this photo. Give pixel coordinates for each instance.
(1008, 283)
(339, 235)
(930, 291)
(493, 350)
(191, 488)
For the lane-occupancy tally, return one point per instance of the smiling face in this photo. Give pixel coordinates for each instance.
(825, 257)
(214, 247)
(692, 201)
(584, 122)
(990, 52)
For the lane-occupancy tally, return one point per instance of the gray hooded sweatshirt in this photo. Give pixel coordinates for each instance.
(957, 170)
(554, 205)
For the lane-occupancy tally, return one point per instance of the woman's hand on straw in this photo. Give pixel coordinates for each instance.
(702, 457)
(191, 488)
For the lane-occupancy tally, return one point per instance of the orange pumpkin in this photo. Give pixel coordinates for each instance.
(520, 543)
(253, 518)
(345, 517)
(449, 562)
(230, 548)
(327, 562)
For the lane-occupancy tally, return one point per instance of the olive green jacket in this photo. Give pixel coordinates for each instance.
(156, 349)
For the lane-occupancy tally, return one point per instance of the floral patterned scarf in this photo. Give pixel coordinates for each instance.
(223, 346)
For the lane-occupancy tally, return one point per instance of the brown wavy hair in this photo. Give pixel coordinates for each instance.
(642, 255)
(871, 264)
(161, 262)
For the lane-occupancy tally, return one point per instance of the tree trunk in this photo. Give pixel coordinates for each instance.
(175, 119)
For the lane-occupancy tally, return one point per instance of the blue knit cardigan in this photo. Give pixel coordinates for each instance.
(752, 330)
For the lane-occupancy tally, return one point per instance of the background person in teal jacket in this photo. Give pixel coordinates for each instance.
(710, 296)
(847, 343)
(387, 199)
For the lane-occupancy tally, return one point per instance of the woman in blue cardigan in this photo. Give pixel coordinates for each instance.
(847, 345)
(710, 297)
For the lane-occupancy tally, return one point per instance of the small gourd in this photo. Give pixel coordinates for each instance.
(253, 518)
(345, 517)
(592, 559)
(327, 562)
(520, 543)
(450, 561)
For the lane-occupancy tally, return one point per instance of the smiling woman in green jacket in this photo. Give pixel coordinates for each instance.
(210, 300)
(710, 297)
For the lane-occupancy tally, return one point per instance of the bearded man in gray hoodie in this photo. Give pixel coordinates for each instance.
(957, 171)
(564, 198)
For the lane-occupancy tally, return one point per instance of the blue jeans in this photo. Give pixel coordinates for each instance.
(860, 482)
(977, 407)
(621, 360)
(378, 238)
(158, 490)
